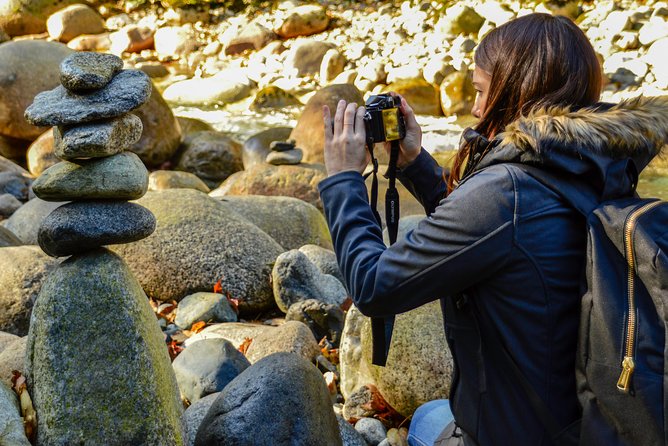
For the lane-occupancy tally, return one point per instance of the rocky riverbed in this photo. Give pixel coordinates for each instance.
(151, 211)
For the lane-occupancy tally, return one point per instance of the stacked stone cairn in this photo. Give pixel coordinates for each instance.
(97, 364)
(284, 152)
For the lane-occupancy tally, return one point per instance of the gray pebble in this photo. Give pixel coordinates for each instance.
(83, 71)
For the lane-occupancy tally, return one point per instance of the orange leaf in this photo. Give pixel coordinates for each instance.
(198, 326)
(345, 306)
(174, 349)
(218, 287)
(243, 348)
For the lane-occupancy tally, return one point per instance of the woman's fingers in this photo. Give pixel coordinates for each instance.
(409, 115)
(327, 118)
(338, 117)
(349, 119)
(359, 122)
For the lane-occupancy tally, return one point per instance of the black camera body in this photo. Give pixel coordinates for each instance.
(383, 119)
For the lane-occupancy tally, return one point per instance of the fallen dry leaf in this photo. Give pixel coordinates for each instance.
(198, 326)
(218, 287)
(27, 410)
(174, 348)
(243, 348)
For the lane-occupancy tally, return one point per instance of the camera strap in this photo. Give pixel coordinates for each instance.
(381, 327)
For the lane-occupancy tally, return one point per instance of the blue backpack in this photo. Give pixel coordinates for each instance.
(621, 375)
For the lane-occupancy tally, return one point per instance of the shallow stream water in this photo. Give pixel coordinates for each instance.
(439, 134)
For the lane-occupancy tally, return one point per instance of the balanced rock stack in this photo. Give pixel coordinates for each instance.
(96, 362)
(284, 152)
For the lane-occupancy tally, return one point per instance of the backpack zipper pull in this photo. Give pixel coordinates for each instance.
(627, 370)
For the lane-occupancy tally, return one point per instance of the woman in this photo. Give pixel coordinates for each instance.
(502, 251)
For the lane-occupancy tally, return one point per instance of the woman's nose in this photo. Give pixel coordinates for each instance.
(475, 111)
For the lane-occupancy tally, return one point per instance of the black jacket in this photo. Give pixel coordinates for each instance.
(505, 244)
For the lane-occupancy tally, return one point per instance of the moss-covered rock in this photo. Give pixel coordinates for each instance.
(97, 361)
(420, 95)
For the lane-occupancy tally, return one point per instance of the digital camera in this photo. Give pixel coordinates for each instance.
(383, 119)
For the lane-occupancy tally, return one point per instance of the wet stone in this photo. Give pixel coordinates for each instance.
(84, 71)
(293, 156)
(97, 139)
(120, 177)
(127, 90)
(82, 226)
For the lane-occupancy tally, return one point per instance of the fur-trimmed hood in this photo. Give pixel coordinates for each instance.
(588, 141)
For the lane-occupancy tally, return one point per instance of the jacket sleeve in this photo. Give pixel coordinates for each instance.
(467, 238)
(424, 178)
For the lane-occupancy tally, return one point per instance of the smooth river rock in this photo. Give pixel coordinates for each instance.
(84, 225)
(174, 179)
(83, 71)
(292, 222)
(22, 272)
(7, 238)
(293, 156)
(25, 222)
(199, 241)
(97, 139)
(94, 334)
(207, 307)
(127, 90)
(282, 400)
(119, 177)
(292, 336)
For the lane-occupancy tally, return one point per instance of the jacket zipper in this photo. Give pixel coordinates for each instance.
(628, 364)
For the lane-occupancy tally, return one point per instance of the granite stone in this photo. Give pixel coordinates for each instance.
(84, 71)
(97, 139)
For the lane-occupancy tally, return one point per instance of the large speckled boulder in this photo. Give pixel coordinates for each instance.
(309, 133)
(419, 366)
(161, 135)
(293, 336)
(25, 222)
(299, 181)
(199, 241)
(11, 424)
(293, 223)
(20, 17)
(281, 400)
(93, 333)
(23, 269)
(211, 156)
(27, 67)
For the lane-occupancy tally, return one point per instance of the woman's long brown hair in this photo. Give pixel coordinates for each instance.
(535, 61)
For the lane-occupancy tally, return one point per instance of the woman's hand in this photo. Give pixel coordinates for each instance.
(345, 141)
(411, 145)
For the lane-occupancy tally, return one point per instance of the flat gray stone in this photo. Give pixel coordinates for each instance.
(119, 177)
(293, 156)
(96, 359)
(128, 90)
(208, 307)
(206, 367)
(83, 71)
(97, 139)
(81, 226)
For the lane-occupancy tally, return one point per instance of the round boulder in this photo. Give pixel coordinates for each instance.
(198, 241)
(161, 136)
(306, 56)
(22, 272)
(309, 132)
(193, 416)
(419, 366)
(293, 336)
(422, 96)
(291, 222)
(21, 17)
(211, 156)
(324, 259)
(41, 154)
(173, 179)
(74, 21)
(25, 222)
(264, 179)
(27, 67)
(302, 21)
(273, 97)
(206, 367)
(324, 320)
(282, 400)
(207, 307)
